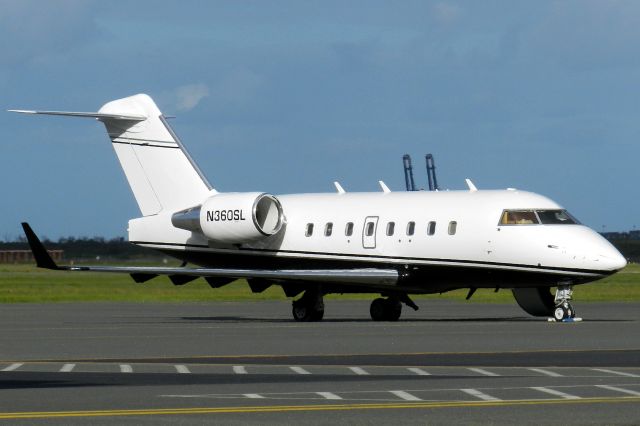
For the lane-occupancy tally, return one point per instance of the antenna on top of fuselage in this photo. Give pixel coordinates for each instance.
(384, 187)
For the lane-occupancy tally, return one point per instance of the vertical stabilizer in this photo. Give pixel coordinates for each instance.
(160, 171)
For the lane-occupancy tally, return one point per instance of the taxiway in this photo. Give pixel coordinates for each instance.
(237, 363)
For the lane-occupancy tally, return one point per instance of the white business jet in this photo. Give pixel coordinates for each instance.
(390, 243)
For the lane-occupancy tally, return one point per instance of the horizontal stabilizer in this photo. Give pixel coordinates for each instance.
(98, 115)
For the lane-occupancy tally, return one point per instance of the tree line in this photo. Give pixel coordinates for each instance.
(90, 248)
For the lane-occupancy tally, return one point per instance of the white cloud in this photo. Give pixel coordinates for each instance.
(189, 96)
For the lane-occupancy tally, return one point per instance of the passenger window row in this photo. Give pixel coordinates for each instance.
(390, 230)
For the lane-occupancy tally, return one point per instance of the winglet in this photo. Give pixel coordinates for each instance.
(43, 259)
(384, 187)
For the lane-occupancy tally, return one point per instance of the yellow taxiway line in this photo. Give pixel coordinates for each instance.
(294, 408)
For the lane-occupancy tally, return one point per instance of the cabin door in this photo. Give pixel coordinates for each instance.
(369, 232)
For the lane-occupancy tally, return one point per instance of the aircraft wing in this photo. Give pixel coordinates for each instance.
(181, 275)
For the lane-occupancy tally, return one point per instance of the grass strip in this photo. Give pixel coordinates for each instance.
(28, 284)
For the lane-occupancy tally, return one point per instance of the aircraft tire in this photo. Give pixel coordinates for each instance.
(304, 313)
(563, 311)
(385, 309)
(394, 310)
(301, 312)
(317, 315)
(377, 309)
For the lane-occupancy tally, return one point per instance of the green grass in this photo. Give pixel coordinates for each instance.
(28, 284)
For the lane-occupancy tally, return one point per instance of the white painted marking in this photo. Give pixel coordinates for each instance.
(239, 369)
(182, 369)
(484, 372)
(299, 370)
(253, 396)
(556, 393)
(619, 373)
(359, 371)
(126, 368)
(328, 395)
(67, 368)
(546, 372)
(405, 395)
(617, 389)
(481, 395)
(13, 367)
(419, 371)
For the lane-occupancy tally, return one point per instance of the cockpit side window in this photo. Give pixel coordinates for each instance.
(519, 217)
(556, 217)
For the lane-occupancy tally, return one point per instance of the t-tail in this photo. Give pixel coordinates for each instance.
(160, 171)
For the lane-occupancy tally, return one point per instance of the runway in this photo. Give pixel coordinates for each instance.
(238, 363)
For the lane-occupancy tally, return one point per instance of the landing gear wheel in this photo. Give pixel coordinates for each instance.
(385, 309)
(301, 313)
(564, 311)
(304, 313)
(309, 307)
(394, 310)
(377, 309)
(317, 314)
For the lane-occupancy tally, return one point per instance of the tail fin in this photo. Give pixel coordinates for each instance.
(160, 171)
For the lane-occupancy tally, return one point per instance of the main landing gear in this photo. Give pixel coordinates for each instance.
(385, 309)
(390, 309)
(564, 311)
(310, 307)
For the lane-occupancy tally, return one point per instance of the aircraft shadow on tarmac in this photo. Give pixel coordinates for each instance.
(367, 320)
(40, 380)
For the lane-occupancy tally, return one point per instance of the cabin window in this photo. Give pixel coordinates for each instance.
(391, 226)
(453, 225)
(556, 217)
(369, 229)
(348, 230)
(411, 227)
(328, 229)
(431, 228)
(309, 231)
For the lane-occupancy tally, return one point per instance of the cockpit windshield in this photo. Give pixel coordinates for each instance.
(537, 217)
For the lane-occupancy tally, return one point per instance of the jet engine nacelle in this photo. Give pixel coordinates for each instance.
(233, 218)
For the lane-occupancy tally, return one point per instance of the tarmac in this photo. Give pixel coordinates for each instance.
(249, 362)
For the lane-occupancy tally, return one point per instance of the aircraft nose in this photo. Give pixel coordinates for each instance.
(610, 257)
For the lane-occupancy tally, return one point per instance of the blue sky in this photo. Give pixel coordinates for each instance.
(287, 96)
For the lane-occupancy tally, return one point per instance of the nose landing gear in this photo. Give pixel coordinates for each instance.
(564, 311)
